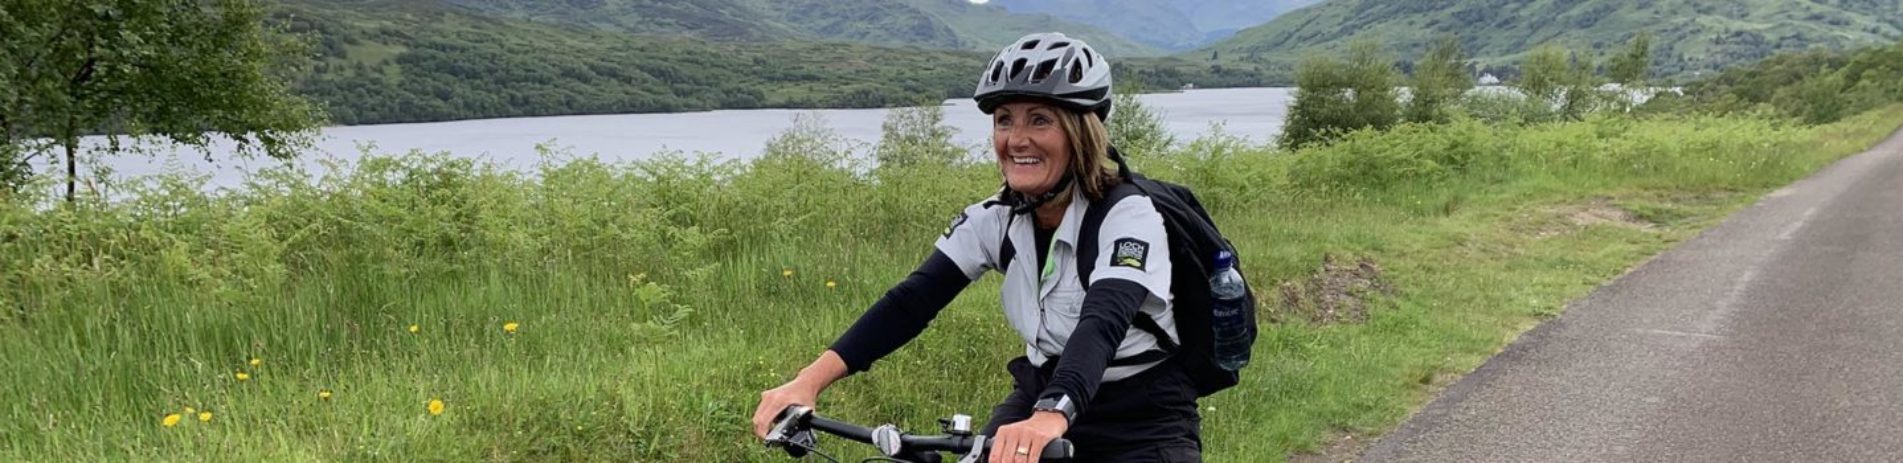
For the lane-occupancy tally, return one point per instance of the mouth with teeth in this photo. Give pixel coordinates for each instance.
(1027, 171)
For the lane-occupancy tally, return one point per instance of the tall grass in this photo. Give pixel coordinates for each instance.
(655, 299)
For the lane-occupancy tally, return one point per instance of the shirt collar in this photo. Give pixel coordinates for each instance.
(1073, 218)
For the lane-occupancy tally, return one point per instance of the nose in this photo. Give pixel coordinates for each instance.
(1018, 141)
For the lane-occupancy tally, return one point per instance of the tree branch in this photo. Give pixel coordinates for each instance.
(50, 40)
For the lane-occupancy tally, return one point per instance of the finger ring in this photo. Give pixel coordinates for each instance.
(1024, 450)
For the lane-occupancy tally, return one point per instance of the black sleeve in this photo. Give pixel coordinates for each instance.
(1108, 307)
(902, 314)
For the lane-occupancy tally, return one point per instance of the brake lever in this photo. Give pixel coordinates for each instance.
(788, 432)
(801, 442)
(977, 450)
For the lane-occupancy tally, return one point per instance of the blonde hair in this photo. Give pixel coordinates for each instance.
(1090, 159)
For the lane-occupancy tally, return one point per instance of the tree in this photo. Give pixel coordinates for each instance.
(1321, 100)
(917, 135)
(1629, 68)
(1135, 129)
(1336, 96)
(1579, 93)
(1333, 96)
(1372, 77)
(1440, 78)
(1542, 74)
(181, 70)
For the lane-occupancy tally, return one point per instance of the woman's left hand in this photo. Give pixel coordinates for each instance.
(1023, 441)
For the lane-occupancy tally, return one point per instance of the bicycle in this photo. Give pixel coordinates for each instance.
(793, 431)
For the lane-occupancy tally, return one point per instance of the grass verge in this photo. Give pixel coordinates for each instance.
(654, 301)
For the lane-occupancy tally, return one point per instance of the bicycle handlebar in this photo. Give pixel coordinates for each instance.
(791, 430)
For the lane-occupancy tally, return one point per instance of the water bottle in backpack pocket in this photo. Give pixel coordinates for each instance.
(1229, 318)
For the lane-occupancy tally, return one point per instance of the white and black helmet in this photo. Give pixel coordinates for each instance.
(1048, 66)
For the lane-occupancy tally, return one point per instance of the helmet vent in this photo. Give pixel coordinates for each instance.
(1057, 45)
(1017, 68)
(1089, 58)
(1043, 70)
(1076, 70)
(1031, 45)
(997, 71)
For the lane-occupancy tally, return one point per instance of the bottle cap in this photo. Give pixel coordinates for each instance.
(1225, 259)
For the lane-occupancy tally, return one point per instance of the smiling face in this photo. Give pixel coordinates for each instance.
(1033, 150)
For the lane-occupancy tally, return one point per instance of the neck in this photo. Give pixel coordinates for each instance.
(1050, 214)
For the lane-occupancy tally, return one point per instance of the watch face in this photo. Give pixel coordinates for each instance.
(1058, 403)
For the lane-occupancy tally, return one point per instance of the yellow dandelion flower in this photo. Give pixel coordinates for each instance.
(435, 407)
(190, 410)
(510, 327)
(242, 376)
(323, 394)
(171, 420)
(831, 284)
(414, 329)
(786, 273)
(204, 417)
(256, 362)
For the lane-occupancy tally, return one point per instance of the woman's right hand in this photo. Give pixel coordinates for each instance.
(795, 392)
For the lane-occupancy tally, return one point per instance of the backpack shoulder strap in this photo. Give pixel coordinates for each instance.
(1087, 250)
(1093, 226)
(1005, 250)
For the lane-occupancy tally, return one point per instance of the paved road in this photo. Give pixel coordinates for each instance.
(1776, 336)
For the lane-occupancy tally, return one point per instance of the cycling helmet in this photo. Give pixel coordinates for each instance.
(1049, 66)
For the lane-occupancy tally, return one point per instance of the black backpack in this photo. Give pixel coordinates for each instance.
(1194, 242)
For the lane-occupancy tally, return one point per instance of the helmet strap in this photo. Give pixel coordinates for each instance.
(1021, 203)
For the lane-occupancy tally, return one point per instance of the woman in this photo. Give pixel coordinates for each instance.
(1088, 374)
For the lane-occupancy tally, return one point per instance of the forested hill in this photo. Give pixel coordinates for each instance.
(388, 61)
(948, 24)
(1692, 35)
(385, 62)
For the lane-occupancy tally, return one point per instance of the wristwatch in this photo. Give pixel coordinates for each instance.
(1059, 403)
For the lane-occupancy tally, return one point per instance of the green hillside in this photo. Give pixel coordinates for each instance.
(991, 27)
(1168, 24)
(1225, 17)
(952, 24)
(401, 61)
(1693, 35)
(1153, 22)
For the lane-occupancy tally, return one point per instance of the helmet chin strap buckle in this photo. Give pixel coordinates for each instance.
(1021, 204)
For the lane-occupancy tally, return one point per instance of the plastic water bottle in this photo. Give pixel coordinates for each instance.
(1230, 319)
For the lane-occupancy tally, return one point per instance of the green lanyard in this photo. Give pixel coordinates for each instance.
(1050, 260)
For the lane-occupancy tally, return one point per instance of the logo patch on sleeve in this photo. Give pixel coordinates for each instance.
(1131, 252)
(955, 222)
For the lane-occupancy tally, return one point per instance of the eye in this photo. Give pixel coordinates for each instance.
(1002, 120)
(1040, 120)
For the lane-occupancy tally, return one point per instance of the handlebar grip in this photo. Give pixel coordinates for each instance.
(1059, 449)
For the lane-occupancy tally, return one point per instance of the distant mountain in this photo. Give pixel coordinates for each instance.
(1219, 19)
(1166, 24)
(1692, 35)
(948, 24)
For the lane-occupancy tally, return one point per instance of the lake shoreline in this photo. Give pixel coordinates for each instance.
(1254, 114)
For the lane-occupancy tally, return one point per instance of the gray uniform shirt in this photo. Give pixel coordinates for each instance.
(1044, 306)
